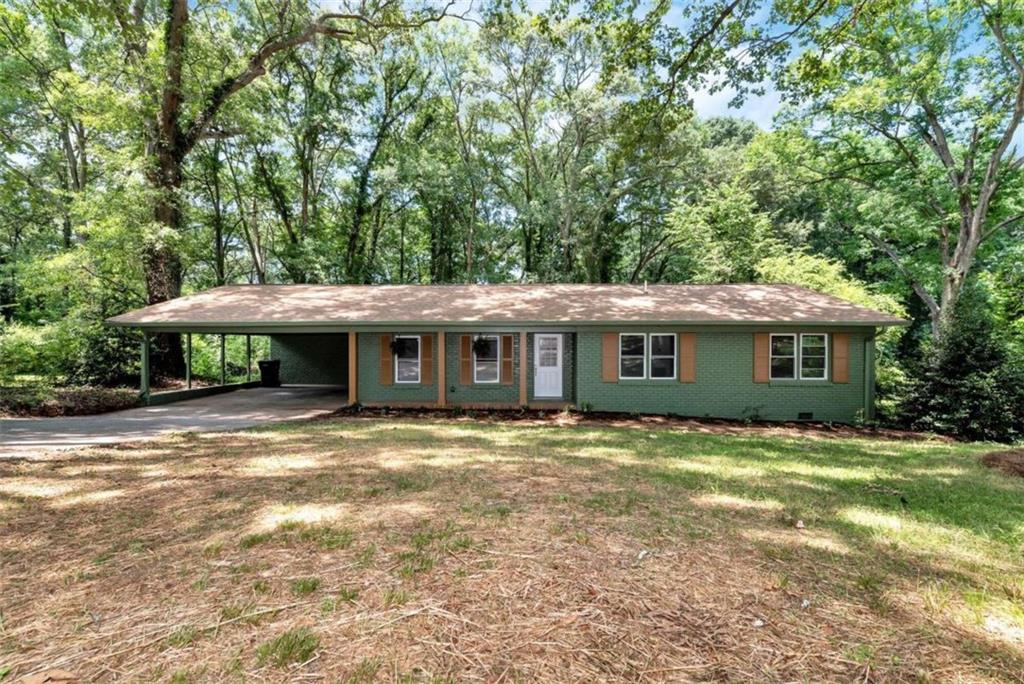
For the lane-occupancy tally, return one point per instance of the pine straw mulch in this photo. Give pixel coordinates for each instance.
(469, 563)
(1010, 461)
(709, 426)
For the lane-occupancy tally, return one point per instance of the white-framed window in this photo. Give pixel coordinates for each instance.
(662, 365)
(783, 357)
(807, 360)
(407, 359)
(814, 356)
(486, 358)
(632, 356)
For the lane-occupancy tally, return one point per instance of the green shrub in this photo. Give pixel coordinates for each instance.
(972, 387)
(30, 350)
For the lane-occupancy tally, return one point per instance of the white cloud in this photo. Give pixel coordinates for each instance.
(760, 109)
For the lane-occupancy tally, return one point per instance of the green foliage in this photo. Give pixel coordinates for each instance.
(294, 646)
(25, 350)
(723, 236)
(971, 387)
(823, 275)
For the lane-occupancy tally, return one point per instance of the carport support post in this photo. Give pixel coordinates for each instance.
(441, 380)
(188, 360)
(144, 370)
(223, 362)
(353, 360)
(248, 358)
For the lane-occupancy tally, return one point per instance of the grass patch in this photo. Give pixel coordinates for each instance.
(365, 671)
(294, 646)
(251, 540)
(327, 538)
(345, 595)
(183, 637)
(304, 586)
(394, 597)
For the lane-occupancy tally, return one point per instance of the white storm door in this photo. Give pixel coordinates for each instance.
(547, 365)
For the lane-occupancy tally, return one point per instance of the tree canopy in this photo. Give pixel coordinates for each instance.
(153, 148)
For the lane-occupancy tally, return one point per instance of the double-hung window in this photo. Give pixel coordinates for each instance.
(663, 356)
(645, 356)
(802, 356)
(486, 358)
(632, 355)
(813, 356)
(407, 358)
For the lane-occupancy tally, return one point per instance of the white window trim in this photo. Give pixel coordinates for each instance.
(651, 356)
(419, 360)
(800, 355)
(643, 376)
(796, 355)
(497, 344)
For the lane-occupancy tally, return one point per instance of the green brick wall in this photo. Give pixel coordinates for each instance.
(478, 394)
(724, 386)
(311, 359)
(370, 389)
(568, 377)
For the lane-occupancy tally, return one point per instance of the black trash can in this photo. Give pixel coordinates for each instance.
(270, 373)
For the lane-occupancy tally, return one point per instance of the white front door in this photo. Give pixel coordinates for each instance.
(547, 365)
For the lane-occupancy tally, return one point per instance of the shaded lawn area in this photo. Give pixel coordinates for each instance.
(367, 549)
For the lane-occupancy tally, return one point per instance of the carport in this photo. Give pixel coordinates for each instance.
(312, 353)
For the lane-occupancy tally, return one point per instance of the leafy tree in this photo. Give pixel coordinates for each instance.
(919, 105)
(970, 387)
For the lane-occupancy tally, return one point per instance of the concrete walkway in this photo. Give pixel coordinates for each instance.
(26, 437)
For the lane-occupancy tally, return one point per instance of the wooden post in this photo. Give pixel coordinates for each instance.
(223, 362)
(144, 370)
(523, 400)
(248, 358)
(441, 391)
(188, 361)
(353, 361)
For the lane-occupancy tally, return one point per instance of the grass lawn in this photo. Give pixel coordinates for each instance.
(420, 549)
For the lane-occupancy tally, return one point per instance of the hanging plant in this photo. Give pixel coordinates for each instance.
(481, 345)
(400, 344)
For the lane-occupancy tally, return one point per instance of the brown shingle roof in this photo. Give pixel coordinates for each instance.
(265, 305)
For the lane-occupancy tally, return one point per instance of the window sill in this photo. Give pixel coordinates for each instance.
(800, 383)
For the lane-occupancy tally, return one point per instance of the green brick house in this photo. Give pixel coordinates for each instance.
(776, 352)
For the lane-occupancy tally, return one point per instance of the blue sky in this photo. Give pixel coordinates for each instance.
(759, 109)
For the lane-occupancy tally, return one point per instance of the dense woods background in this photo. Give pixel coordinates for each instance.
(153, 148)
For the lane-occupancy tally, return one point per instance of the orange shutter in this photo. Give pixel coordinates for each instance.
(506, 359)
(762, 355)
(386, 373)
(427, 360)
(687, 357)
(610, 357)
(841, 357)
(465, 360)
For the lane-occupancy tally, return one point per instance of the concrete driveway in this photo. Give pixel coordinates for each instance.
(25, 437)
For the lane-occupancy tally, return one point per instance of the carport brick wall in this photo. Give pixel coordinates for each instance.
(724, 385)
(311, 359)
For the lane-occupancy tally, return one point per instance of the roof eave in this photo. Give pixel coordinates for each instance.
(197, 325)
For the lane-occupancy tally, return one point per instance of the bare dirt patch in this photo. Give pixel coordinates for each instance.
(1010, 462)
(434, 550)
